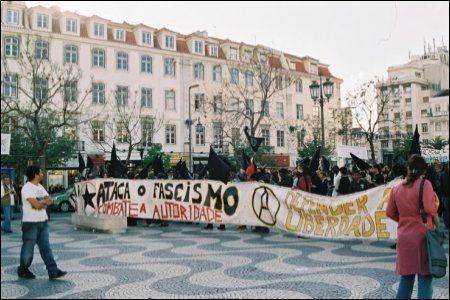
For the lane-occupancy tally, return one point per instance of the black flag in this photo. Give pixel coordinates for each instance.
(362, 165)
(415, 145)
(255, 142)
(325, 164)
(117, 169)
(218, 170)
(81, 164)
(158, 166)
(314, 164)
(143, 174)
(246, 160)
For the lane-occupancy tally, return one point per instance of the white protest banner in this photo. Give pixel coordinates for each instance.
(344, 151)
(432, 155)
(360, 215)
(6, 143)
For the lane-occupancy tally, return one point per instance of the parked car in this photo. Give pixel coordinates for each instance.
(62, 201)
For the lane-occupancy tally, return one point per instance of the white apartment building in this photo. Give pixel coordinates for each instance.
(420, 98)
(156, 71)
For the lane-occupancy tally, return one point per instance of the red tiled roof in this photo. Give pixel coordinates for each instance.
(130, 38)
(182, 47)
(83, 30)
(55, 26)
(156, 43)
(300, 67)
(324, 72)
(222, 54)
(274, 62)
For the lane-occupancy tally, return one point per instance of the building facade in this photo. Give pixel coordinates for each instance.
(144, 83)
(419, 97)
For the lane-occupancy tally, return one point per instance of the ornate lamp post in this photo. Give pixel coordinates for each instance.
(318, 90)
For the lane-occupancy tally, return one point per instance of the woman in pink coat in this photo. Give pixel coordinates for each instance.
(412, 253)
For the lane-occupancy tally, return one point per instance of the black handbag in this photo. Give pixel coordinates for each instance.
(437, 260)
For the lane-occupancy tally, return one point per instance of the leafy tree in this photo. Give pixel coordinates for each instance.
(310, 148)
(402, 149)
(437, 143)
(261, 158)
(151, 155)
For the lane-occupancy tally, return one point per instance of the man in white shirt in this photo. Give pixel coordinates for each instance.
(35, 226)
(7, 194)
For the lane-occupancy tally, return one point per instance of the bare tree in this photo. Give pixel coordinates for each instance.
(41, 97)
(371, 106)
(248, 93)
(131, 123)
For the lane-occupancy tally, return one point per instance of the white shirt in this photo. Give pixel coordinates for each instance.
(30, 214)
(11, 196)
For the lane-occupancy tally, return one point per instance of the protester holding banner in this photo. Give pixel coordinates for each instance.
(412, 253)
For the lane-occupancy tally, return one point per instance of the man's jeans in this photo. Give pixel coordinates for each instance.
(407, 283)
(6, 225)
(32, 233)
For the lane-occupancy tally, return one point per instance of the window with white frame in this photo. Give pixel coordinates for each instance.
(248, 78)
(146, 64)
(171, 134)
(147, 131)
(200, 135)
(217, 73)
(170, 42)
(265, 133)
(265, 109)
(249, 106)
(437, 108)
(313, 69)
(217, 104)
(71, 54)
(247, 56)
(99, 30)
(122, 95)
(234, 74)
(235, 136)
(299, 86)
(98, 93)
(198, 47)
(98, 131)
(120, 35)
(12, 16)
(146, 97)
(71, 90)
(122, 61)
(146, 38)
(41, 88)
(199, 102)
(214, 51)
(11, 46)
(170, 100)
(438, 127)
(10, 86)
(280, 109)
(280, 138)
(199, 71)
(122, 133)
(42, 21)
(278, 82)
(41, 50)
(425, 127)
(71, 25)
(169, 66)
(98, 57)
(299, 111)
(234, 107)
(233, 54)
(218, 136)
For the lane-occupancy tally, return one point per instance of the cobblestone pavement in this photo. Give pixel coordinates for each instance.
(186, 261)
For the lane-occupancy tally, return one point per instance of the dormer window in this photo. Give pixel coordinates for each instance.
(146, 38)
(42, 21)
(263, 59)
(99, 30)
(71, 25)
(170, 42)
(214, 51)
(198, 47)
(120, 35)
(247, 56)
(12, 16)
(233, 53)
(313, 68)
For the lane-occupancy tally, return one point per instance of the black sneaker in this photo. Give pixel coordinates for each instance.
(221, 227)
(58, 274)
(25, 274)
(209, 227)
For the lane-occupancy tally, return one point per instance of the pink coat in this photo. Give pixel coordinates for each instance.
(403, 207)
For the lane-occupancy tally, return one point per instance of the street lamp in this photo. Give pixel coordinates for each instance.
(190, 125)
(317, 91)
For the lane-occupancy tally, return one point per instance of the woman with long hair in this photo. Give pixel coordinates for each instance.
(412, 253)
